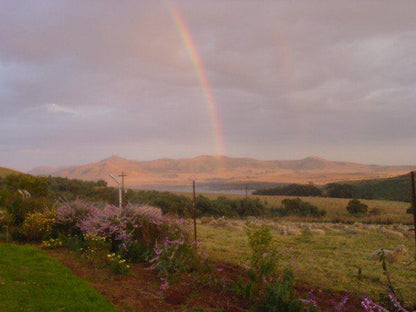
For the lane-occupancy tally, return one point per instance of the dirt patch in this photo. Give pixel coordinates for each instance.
(140, 289)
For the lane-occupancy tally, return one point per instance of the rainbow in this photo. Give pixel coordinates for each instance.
(200, 71)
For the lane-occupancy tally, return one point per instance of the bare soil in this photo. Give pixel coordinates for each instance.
(139, 290)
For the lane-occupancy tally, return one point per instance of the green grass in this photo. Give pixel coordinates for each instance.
(329, 262)
(30, 280)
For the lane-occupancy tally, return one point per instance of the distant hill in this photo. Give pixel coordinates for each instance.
(6, 171)
(223, 170)
(395, 188)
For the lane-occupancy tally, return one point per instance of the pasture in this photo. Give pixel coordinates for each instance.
(331, 252)
(388, 212)
(332, 257)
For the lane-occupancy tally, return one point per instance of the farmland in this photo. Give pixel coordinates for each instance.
(327, 252)
(388, 211)
(329, 260)
(338, 256)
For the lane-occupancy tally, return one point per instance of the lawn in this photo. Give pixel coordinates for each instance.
(30, 280)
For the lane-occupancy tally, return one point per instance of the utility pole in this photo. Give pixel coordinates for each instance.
(247, 187)
(122, 175)
(412, 180)
(194, 208)
(119, 190)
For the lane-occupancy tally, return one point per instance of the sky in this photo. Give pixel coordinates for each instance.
(83, 80)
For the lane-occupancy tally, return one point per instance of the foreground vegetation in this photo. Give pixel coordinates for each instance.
(316, 241)
(329, 258)
(30, 280)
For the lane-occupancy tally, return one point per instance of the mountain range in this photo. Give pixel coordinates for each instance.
(222, 169)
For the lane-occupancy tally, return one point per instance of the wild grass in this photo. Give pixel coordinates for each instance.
(336, 261)
(389, 211)
(30, 280)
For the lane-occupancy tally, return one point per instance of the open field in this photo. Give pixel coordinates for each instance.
(30, 280)
(389, 211)
(326, 256)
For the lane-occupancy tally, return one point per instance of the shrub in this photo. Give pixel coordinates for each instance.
(340, 190)
(39, 225)
(5, 218)
(175, 257)
(291, 190)
(132, 231)
(281, 296)
(409, 210)
(263, 260)
(297, 207)
(52, 243)
(70, 216)
(95, 249)
(117, 264)
(18, 207)
(356, 207)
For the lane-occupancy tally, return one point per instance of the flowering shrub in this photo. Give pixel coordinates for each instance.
(71, 214)
(95, 249)
(175, 257)
(109, 223)
(370, 306)
(146, 226)
(38, 225)
(52, 243)
(117, 264)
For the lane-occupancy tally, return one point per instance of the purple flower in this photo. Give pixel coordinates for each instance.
(341, 304)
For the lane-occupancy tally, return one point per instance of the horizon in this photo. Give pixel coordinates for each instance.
(177, 79)
(197, 156)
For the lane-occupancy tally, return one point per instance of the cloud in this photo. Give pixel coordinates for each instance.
(285, 76)
(59, 109)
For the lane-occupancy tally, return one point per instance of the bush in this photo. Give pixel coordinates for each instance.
(291, 190)
(70, 216)
(117, 264)
(52, 243)
(95, 249)
(340, 190)
(356, 207)
(223, 206)
(281, 296)
(297, 207)
(39, 225)
(263, 260)
(409, 210)
(174, 258)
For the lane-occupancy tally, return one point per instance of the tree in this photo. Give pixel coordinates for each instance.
(356, 207)
(340, 190)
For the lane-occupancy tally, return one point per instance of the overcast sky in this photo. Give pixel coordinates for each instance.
(82, 80)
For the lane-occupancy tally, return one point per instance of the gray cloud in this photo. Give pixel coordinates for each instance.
(82, 80)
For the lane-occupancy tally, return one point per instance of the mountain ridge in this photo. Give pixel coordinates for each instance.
(207, 169)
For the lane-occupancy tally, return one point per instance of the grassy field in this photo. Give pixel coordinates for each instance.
(330, 262)
(32, 281)
(390, 211)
